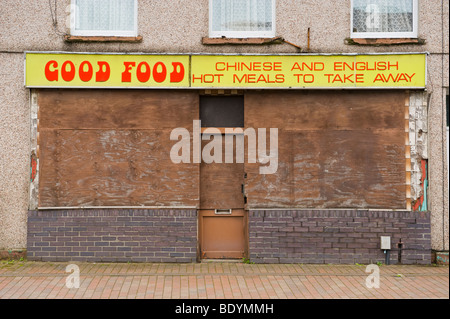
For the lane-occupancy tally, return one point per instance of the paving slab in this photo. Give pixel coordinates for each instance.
(219, 280)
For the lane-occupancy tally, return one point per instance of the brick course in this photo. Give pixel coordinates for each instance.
(338, 236)
(113, 235)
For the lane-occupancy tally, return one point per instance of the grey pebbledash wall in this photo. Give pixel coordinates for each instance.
(338, 236)
(113, 235)
(275, 236)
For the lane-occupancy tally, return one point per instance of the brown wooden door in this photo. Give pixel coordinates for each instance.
(223, 235)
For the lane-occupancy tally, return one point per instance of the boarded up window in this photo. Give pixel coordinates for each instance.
(112, 148)
(336, 149)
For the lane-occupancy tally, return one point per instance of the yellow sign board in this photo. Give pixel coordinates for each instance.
(225, 71)
(309, 71)
(106, 70)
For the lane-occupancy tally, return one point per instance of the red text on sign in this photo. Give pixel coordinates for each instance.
(144, 72)
(85, 71)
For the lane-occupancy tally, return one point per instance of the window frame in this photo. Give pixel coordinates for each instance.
(101, 33)
(387, 35)
(242, 34)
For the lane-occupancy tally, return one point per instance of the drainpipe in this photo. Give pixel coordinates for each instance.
(400, 247)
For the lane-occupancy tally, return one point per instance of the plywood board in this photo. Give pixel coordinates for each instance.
(325, 110)
(104, 148)
(117, 109)
(356, 162)
(113, 168)
(221, 183)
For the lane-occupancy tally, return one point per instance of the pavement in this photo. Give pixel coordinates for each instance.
(219, 280)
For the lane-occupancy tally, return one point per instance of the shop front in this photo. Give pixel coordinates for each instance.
(179, 158)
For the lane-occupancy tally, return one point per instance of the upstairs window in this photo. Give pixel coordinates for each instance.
(242, 18)
(104, 18)
(384, 18)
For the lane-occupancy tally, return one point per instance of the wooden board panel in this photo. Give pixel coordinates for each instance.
(324, 164)
(325, 110)
(113, 168)
(339, 169)
(220, 183)
(271, 190)
(117, 109)
(112, 148)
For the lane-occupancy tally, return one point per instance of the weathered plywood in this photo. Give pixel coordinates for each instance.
(221, 183)
(117, 109)
(112, 148)
(113, 168)
(325, 162)
(325, 110)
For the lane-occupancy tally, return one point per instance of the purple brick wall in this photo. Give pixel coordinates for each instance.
(338, 236)
(275, 236)
(113, 235)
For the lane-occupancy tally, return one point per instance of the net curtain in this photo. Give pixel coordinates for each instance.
(383, 15)
(107, 15)
(242, 15)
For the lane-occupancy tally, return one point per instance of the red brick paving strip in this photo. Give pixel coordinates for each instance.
(35, 280)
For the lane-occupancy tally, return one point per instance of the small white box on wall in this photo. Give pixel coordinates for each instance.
(385, 242)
